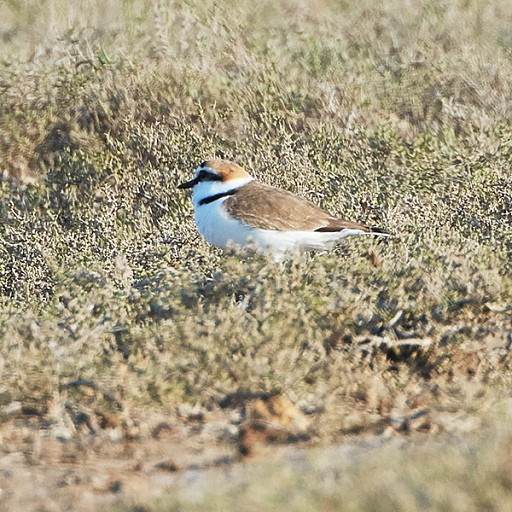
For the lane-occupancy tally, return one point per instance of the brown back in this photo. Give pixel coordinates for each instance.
(271, 208)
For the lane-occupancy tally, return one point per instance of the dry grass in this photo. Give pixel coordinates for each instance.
(118, 321)
(365, 475)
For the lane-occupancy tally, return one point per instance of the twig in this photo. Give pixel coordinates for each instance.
(93, 385)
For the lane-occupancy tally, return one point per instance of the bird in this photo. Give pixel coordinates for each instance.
(231, 208)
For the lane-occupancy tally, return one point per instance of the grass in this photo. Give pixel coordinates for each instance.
(116, 315)
(417, 475)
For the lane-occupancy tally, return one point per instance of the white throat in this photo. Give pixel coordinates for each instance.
(206, 189)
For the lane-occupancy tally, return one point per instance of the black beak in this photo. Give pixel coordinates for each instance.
(189, 184)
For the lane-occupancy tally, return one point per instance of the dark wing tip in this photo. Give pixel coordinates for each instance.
(379, 231)
(368, 229)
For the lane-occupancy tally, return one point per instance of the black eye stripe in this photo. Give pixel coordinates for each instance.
(208, 176)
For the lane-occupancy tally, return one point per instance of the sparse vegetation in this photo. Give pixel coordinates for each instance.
(127, 340)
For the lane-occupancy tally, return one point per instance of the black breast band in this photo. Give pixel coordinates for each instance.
(208, 200)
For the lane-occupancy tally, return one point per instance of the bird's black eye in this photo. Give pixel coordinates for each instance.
(208, 176)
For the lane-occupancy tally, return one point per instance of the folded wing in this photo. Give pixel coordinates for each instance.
(274, 209)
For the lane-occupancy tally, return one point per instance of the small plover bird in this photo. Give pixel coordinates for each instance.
(231, 208)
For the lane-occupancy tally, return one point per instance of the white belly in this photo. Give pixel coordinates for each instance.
(218, 228)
